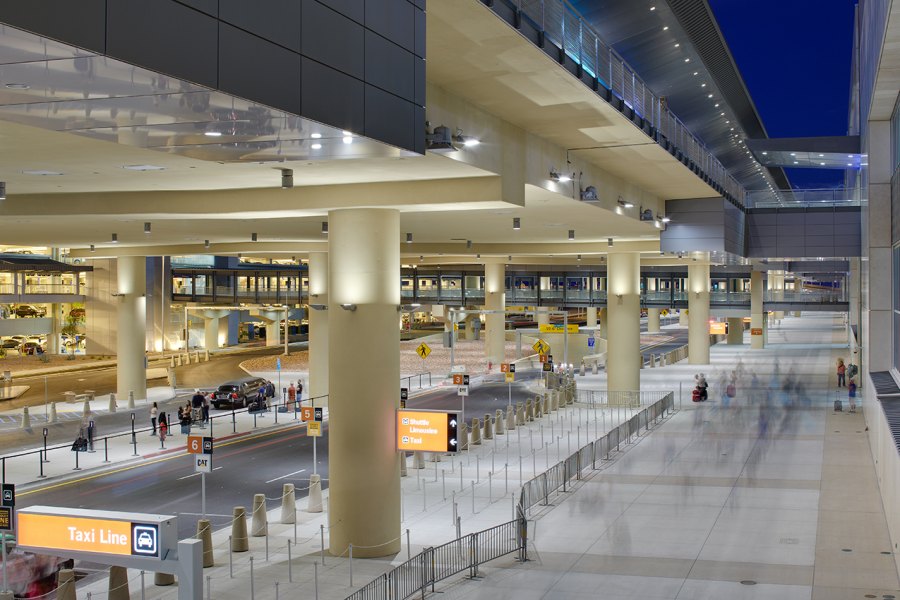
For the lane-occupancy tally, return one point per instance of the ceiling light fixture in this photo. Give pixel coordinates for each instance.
(664, 219)
(206, 243)
(316, 136)
(465, 140)
(325, 227)
(2, 190)
(665, 28)
(409, 238)
(348, 306)
(609, 242)
(115, 238)
(17, 86)
(559, 177)
(624, 203)
(677, 45)
(571, 234)
(347, 139)
(92, 248)
(316, 146)
(254, 237)
(147, 227)
(517, 224)
(469, 244)
(287, 178)
(41, 172)
(212, 133)
(687, 60)
(438, 140)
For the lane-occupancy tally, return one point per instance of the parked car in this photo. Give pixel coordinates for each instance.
(77, 313)
(10, 344)
(29, 310)
(238, 393)
(31, 348)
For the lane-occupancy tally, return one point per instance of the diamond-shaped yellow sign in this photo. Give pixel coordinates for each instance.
(541, 347)
(423, 350)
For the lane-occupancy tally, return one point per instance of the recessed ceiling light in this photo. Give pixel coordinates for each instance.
(345, 132)
(717, 105)
(41, 172)
(677, 45)
(652, 8)
(796, 162)
(666, 28)
(793, 154)
(823, 164)
(212, 133)
(849, 164)
(348, 139)
(702, 85)
(316, 146)
(821, 156)
(765, 153)
(143, 168)
(710, 96)
(316, 136)
(18, 86)
(687, 60)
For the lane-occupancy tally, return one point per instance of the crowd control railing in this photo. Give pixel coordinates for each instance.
(466, 553)
(558, 477)
(420, 379)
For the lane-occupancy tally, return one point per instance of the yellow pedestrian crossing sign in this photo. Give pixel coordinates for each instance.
(541, 347)
(423, 350)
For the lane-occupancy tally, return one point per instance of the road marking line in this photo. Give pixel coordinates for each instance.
(188, 476)
(286, 476)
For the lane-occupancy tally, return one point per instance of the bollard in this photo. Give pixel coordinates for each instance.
(7, 596)
(434, 457)
(65, 584)
(206, 356)
(463, 433)
(172, 362)
(418, 460)
(498, 423)
(554, 401)
(163, 579)
(403, 469)
(314, 500)
(239, 540)
(130, 400)
(288, 504)
(53, 416)
(112, 403)
(26, 419)
(520, 415)
(581, 370)
(204, 534)
(178, 360)
(476, 432)
(510, 418)
(86, 409)
(259, 523)
(529, 410)
(546, 402)
(594, 368)
(118, 584)
(537, 408)
(488, 428)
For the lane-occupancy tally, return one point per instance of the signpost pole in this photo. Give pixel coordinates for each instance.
(203, 494)
(315, 463)
(5, 586)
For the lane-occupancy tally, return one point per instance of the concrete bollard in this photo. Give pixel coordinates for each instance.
(476, 432)
(545, 400)
(288, 504)
(554, 401)
(314, 500)
(520, 415)
(510, 418)
(498, 423)
(488, 433)
(206, 356)
(7, 596)
(163, 579)
(204, 534)
(529, 410)
(131, 400)
(582, 370)
(418, 460)
(118, 584)
(259, 525)
(172, 362)
(463, 432)
(86, 409)
(53, 416)
(434, 457)
(178, 360)
(112, 403)
(26, 419)
(65, 584)
(239, 540)
(403, 469)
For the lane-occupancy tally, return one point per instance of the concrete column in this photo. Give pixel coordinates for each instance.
(757, 317)
(592, 316)
(698, 314)
(543, 315)
(211, 333)
(603, 315)
(653, 320)
(494, 324)
(776, 284)
(318, 324)
(735, 331)
(364, 370)
(682, 317)
(56, 314)
(623, 362)
(131, 372)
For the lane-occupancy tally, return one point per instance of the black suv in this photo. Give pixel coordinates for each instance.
(238, 393)
(29, 310)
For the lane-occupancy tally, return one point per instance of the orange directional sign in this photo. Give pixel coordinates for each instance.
(306, 413)
(195, 444)
(426, 431)
(460, 379)
(718, 328)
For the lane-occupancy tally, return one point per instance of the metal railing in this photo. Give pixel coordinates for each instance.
(437, 563)
(420, 377)
(539, 489)
(563, 26)
(810, 198)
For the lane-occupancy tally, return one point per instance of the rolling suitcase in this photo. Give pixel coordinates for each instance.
(838, 407)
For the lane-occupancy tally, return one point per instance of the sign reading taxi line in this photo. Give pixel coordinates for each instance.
(82, 533)
(552, 328)
(427, 431)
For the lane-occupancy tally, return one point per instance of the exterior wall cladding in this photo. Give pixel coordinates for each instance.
(714, 224)
(357, 65)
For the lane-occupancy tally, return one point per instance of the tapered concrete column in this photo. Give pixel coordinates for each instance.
(623, 362)
(653, 320)
(318, 324)
(211, 333)
(272, 319)
(757, 318)
(698, 314)
(682, 317)
(543, 315)
(603, 315)
(364, 371)
(592, 316)
(494, 324)
(131, 373)
(735, 331)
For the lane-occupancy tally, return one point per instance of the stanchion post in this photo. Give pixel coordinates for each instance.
(290, 566)
(322, 541)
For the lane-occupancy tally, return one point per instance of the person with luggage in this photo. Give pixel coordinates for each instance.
(851, 394)
(163, 426)
(186, 420)
(841, 372)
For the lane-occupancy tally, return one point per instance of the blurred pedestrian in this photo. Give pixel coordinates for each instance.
(841, 372)
(206, 408)
(851, 393)
(154, 411)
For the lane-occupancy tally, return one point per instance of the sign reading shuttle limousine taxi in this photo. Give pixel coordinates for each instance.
(93, 534)
(427, 431)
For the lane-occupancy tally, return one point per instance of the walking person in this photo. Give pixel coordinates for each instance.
(841, 372)
(154, 411)
(292, 397)
(300, 390)
(206, 408)
(851, 395)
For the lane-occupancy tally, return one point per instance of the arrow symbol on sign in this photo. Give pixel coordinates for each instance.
(452, 442)
(453, 423)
